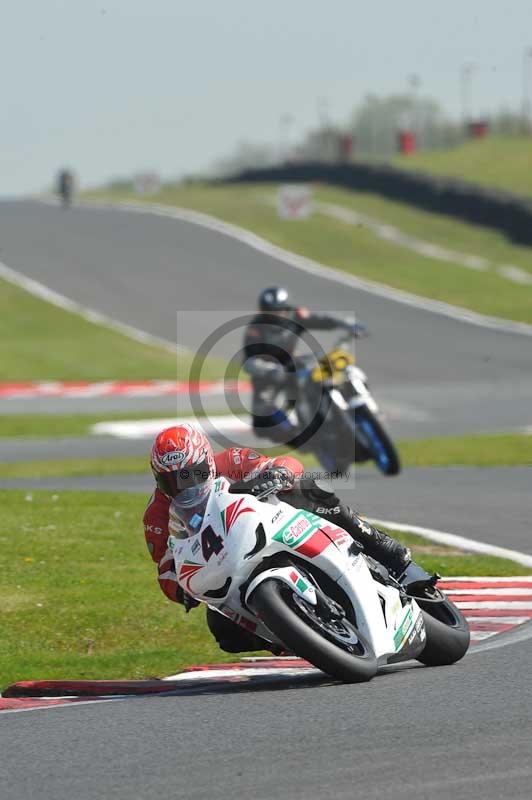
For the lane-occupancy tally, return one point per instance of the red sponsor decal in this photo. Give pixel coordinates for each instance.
(336, 534)
(234, 511)
(314, 545)
(187, 572)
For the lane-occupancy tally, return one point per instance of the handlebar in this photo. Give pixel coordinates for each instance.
(355, 332)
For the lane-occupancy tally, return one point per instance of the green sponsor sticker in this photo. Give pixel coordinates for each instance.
(298, 528)
(403, 630)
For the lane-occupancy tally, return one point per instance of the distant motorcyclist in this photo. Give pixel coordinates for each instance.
(65, 186)
(270, 341)
(185, 467)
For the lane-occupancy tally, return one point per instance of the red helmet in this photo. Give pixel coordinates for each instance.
(182, 461)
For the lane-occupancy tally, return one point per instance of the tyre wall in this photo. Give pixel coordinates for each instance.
(509, 213)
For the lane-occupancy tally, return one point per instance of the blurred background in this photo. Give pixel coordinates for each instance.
(114, 89)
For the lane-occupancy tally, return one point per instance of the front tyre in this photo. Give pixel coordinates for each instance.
(330, 643)
(447, 631)
(377, 442)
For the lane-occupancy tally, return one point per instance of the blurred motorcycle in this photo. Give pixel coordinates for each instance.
(336, 415)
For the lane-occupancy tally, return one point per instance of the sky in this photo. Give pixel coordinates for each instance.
(115, 87)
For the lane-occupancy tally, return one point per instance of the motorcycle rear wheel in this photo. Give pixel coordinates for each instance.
(335, 647)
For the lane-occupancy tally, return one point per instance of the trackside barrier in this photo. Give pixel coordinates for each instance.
(509, 213)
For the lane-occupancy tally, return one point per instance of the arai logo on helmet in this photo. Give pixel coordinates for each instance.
(174, 457)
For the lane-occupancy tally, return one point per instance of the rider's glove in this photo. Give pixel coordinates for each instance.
(186, 599)
(275, 479)
(357, 330)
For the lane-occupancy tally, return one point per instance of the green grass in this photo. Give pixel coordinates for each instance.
(434, 228)
(502, 162)
(79, 593)
(49, 425)
(80, 599)
(39, 341)
(479, 450)
(358, 251)
(476, 450)
(76, 467)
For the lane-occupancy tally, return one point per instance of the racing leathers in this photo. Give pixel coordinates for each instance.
(270, 341)
(244, 464)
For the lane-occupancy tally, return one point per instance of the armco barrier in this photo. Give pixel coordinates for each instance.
(468, 202)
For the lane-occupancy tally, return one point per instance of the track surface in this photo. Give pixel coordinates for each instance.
(461, 732)
(143, 270)
(423, 734)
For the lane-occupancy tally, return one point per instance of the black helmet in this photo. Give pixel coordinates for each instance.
(275, 298)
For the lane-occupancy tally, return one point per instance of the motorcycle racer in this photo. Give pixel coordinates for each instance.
(185, 467)
(270, 340)
(65, 186)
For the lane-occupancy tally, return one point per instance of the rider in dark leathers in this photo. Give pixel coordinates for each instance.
(270, 340)
(65, 186)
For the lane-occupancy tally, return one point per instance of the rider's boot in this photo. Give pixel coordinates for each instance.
(418, 582)
(377, 544)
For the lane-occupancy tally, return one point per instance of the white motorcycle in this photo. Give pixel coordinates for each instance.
(302, 584)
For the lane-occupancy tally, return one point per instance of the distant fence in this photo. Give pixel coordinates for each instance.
(468, 202)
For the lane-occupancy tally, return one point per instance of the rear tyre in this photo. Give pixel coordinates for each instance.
(334, 646)
(447, 631)
(377, 442)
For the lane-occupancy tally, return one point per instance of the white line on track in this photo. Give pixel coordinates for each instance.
(461, 542)
(314, 267)
(498, 592)
(88, 314)
(435, 251)
(513, 605)
(484, 579)
(146, 428)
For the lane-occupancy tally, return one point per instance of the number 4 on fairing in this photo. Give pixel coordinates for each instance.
(211, 543)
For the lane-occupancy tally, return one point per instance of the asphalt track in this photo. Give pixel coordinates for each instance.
(463, 732)
(163, 276)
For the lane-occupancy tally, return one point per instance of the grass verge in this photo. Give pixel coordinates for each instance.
(73, 467)
(503, 162)
(80, 599)
(482, 450)
(39, 341)
(356, 250)
(478, 450)
(434, 228)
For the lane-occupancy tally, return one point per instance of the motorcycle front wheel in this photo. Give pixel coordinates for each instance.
(448, 636)
(377, 442)
(331, 644)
